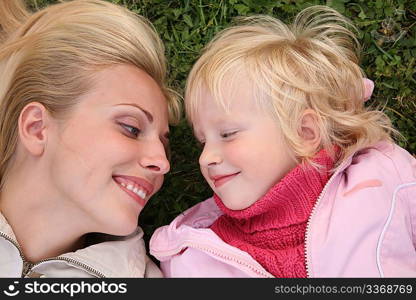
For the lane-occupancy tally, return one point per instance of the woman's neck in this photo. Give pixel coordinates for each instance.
(42, 225)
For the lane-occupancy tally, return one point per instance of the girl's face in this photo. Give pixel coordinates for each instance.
(109, 158)
(243, 151)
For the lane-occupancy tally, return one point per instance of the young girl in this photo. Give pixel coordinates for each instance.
(307, 181)
(84, 112)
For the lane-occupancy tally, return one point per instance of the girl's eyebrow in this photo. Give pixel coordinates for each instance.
(147, 114)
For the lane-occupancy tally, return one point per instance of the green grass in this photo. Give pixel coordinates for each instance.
(387, 33)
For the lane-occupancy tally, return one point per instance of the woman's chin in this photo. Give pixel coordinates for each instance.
(124, 230)
(124, 226)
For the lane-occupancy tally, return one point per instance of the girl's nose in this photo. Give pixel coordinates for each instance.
(210, 156)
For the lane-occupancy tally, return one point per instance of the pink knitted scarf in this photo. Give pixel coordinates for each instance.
(272, 230)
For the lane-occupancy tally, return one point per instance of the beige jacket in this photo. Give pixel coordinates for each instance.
(121, 258)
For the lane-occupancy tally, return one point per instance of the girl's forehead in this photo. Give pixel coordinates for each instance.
(229, 106)
(242, 108)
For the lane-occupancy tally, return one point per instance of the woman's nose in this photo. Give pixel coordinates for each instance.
(210, 156)
(155, 159)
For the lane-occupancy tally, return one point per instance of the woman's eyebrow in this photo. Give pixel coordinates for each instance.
(148, 115)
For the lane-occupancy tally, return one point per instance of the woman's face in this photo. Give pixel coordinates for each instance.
(108, 158)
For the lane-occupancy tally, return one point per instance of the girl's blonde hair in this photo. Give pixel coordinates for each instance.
(51, 56)
(310, 64)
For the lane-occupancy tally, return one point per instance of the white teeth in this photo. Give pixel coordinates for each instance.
(141, 194)
(135, 189)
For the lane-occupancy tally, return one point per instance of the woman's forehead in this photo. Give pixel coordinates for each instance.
(127, 84)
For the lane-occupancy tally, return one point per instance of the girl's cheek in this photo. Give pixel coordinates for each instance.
(235, 149)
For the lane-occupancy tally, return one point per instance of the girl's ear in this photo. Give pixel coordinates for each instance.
(33, 121)
(309, 130)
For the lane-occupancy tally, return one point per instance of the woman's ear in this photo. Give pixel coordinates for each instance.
(33, 121)
(309, 130)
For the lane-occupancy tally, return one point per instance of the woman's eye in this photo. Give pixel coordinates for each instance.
(131, 130)
(228, 134)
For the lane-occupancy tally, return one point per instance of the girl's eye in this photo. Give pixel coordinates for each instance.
(131, 129)
(228, 134)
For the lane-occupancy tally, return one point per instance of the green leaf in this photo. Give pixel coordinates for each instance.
(339, 5)
(188, 20)
(242, 9)
(388, 85)
(177, 12)
(362, 15)
(380, 62)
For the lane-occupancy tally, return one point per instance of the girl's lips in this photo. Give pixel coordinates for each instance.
(222, 179)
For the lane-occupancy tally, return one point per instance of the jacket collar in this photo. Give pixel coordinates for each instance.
(6, 229)
(120, 257)
(383, 146)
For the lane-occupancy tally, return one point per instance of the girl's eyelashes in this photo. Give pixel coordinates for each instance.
(224, 135)
(228, 134)
(131, 130)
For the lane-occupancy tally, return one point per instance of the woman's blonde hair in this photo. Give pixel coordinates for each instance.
(51, 56)
(310, 64)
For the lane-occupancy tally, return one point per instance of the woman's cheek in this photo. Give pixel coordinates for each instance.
(158, 184)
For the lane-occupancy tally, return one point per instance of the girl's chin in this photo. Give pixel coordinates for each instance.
(235, 203)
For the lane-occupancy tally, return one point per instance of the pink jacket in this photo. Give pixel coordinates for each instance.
(362, 225)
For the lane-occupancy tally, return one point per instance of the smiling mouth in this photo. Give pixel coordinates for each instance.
(137, 192)
(221, 180)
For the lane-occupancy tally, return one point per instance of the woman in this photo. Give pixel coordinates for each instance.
(84, 117)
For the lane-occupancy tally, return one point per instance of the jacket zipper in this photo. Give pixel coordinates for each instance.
(74, 262)
(28, 266)
(251, 267)
(223, 256)
(306, 246)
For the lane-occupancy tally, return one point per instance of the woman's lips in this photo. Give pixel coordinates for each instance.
(138, 188)
(141, 201)
(146, 185)
(219, 180)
